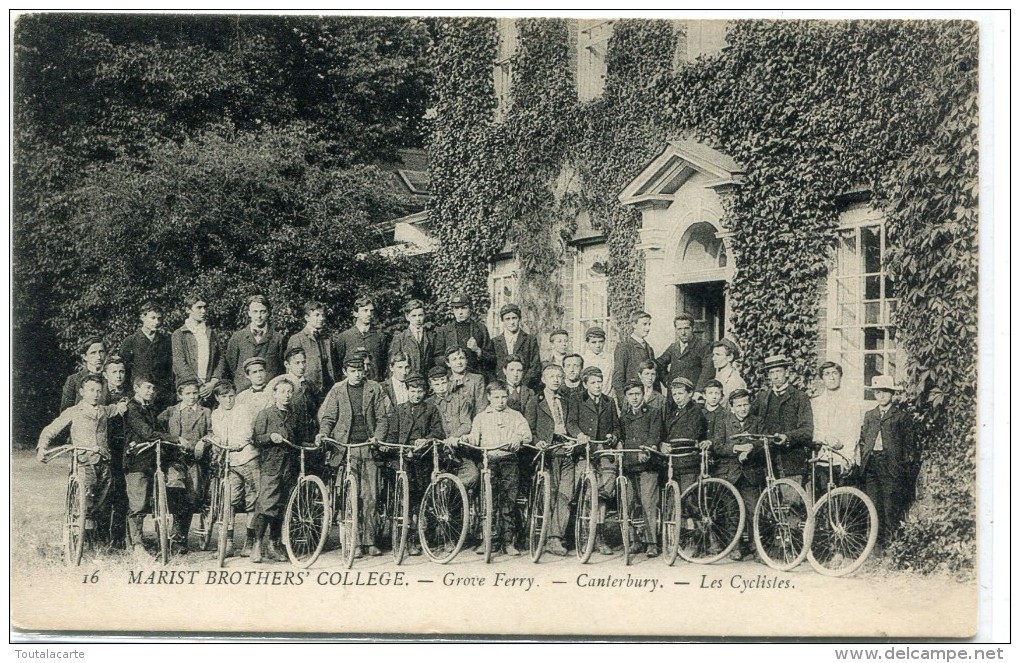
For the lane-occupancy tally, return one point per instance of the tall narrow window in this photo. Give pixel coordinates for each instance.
(862, 306)
(502, 291)
(592, 45)
(502, 68)
(591, 293)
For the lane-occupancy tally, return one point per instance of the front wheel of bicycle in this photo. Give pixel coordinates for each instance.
(400, 514)
(538, 514)
(485, 504)
(846, 529)
(712, 520)
(306, 521)
(74, 522)
(443, 518)
(670, 521)
(209, 514)
(623, 501)
(226, 520)
(783, 525)
(349, 520)
(586, 517)
(161, 516)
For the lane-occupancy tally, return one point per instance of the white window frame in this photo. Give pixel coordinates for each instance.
(592, 44)
(586, 282)
(503, 66)
(502, 274)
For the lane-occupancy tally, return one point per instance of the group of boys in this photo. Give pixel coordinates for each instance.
(456, 384)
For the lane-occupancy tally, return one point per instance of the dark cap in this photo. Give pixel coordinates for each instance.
(681, 381)
(452, 349)
(415, 379)
(631, 384)
(355, 359)
(590, 371)
(181, 384)
(253, 361)
(509, 308)
(437, 372)
(595, 332)
(460, 299)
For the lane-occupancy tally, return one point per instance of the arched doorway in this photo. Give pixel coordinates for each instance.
(701, 286)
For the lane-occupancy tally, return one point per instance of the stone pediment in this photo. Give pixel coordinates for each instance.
(680, 160)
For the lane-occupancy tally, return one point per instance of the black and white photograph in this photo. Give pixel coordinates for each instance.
(499, 326)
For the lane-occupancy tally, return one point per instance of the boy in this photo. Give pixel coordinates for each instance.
(395, 386)
(411, 422)
(520, 395)
(724, 352)
(114, 377)
(497, 426)
(274, 426)
(457, 416)
(232, 426)
(186, 423)
(547, 418)
(514, 341)
(685, 421)
(93, 353)
(89, 422)
(838, 418)
(472, 385)
(257, 339)
(648, 374)
(740, 463)
(322, 364)
(593, 416)
(713, 408)
(594, 353)
(306, 399)
(642, 426)
(573, 364)
(468, 333)
(355, 411)
(257, 396)
(141, 427)
(147, 351)
(786, 411)
(363, 335)
(631, 352)
(888, 455)
(560, 341)
(417, 342)
(687, 356)
(196, 353)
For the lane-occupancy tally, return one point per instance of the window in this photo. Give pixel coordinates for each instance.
(502, 68)
(592, 44)
(502, 291)
(591, 294)
(862, 304)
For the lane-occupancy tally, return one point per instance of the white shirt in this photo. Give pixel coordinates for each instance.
(731, 380)
(604, 362)
(399, 391)
(254, 401)
(838, 418)
(233, 428)
(556, 407)
(511, 341)
(201, 332)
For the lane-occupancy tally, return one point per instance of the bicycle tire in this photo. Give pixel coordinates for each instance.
(586, 517)
(74, 522)
(715, 513)
(161, 516)
(306, 521)
(846, 530)
(783, 525)
(670, 514)
(485, 502)
(623, 515)
(209, 514)
(349, 520)
(226, 520)
(401, 516)
(539, 508)
(443, 518)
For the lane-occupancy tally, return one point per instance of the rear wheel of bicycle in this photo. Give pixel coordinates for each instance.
(538, 514)
(443, 518)
(712, 517)
(783, 525)
(670, 521)
(623, 499)
(306, 521)
(485, 504)
(74, 521)
(400, 514)
(209, 514)
(349, 520)
(586, 517)
(226, 520)
(846, 529)
(161, 516)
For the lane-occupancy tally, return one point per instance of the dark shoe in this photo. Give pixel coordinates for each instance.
(737, 554)
(636, 547)
(652, 550)
(246, 549)
(603, 548)
(480, 549)
(359, 552)
(230, 545)
(414, 550)
(273, 552)
(555, 547)
(256, 552)
(511, 550)
(178, 548)
(374, 551)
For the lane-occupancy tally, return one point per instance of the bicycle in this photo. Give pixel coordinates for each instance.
(443, 516)
(702, 523)
(307, 517)
(586, 514)
(846, 521)
(783, 518)
(539, 504)
(623, 499)
(160, 507)
(220, 509)
(397, 504)
(484, 504)
(346, 493)
(73, 537)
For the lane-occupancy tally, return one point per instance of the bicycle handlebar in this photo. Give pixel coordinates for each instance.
(502, 447)
(55, 452)
(145, 446)
(348, 445)
(673, 455)
(755, 436)
(620, 452)
(301, 447)
(225, 447)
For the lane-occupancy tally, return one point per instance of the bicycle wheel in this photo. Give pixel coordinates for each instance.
(400, 516)
(161, 516)
(623, 515)
(349, 519)
(846, 528)
(74, 521)
(783, 525)
(538, 514)
(209, 514)
(586, 517)
(712, 520)
(226, 520)
(670, 521)
(306, 521)
(443, 518)
(485, 504)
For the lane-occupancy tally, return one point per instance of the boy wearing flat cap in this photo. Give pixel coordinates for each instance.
(785, 411)
(740, 463)
(278, 466)
(256, 397)
(888, 455)
(685, 421)
(466, 332)
(641, 426)
(515, 341)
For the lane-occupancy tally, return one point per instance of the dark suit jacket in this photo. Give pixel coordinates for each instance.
(694, 363)
(313, 359)
(595, 422)
(527, 350)
(729, 466)
(374, 342)
(898, 441)
(242, 347)
(141, 424)
(421, 356)
(185, 352)
(687, 422)
(153, 359)
(713, 419)
(628, 354)
(540, 417)
(519, 401)
(408, 424)
(789, 414)
(643, 428)
(446, 337)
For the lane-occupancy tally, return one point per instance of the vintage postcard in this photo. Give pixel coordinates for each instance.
(509, 326)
